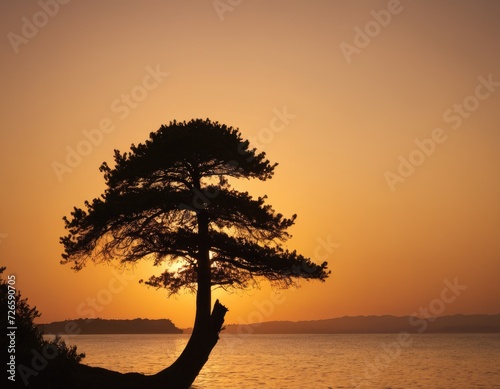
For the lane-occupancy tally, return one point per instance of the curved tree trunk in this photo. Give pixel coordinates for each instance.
(182, 373)
(207, 325)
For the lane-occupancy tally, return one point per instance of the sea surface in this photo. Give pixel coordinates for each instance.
(387, 361)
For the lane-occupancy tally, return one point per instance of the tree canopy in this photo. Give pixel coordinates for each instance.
(169, 199)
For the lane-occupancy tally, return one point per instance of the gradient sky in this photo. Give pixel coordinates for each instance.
(361, 106)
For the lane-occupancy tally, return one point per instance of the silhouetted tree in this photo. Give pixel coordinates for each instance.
(170, 200)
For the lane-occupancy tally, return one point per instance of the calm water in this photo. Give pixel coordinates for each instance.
(313, 361)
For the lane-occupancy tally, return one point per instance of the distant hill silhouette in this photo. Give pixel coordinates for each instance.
(341, 325)
(103, 326)
(374, 324)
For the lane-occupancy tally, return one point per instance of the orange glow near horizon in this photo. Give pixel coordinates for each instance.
(398, 208)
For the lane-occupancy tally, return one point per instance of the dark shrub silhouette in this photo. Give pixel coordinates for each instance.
(37, 363)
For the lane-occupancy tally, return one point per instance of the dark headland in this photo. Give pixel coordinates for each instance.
(103, 326)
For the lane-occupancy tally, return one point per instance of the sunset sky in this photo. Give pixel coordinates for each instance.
(383, 116)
